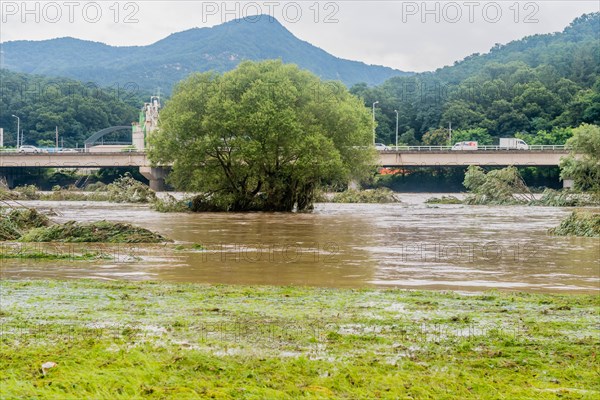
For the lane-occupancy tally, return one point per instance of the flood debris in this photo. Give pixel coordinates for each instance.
(14, 222)
(29, 225)
(379, 195)
(128, 190)
(499, 186)
(444, 200)
(95, 232)
(125, 189)
(48, 365)
(579, 223)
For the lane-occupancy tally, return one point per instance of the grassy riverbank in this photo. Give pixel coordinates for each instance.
(155, 340)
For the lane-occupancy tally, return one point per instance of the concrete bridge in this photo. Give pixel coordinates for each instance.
(387, 158)
(87, 160)
(491, 157)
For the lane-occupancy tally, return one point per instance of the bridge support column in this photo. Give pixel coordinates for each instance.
(156, 176)
(8, 178)
(567, 183)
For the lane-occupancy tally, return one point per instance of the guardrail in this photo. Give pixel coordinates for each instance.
(67, 151)
(534, 147)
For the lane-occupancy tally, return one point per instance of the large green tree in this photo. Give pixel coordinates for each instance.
(262, 137)
(583, 165)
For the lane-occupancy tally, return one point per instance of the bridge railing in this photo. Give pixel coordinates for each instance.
(67, 151)
(534, 147)
(420, 148)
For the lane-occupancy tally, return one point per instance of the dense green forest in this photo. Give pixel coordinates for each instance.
(76, 109)
(536, 88)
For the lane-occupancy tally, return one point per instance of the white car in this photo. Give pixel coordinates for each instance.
(381, 146)
(68, 151)
(29, 149)
(465, 146)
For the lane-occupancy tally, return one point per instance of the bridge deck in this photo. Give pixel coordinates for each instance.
(74, 160)
(386, 158)
(465, 158)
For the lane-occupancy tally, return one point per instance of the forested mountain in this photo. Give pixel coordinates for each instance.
(164, 63)
(43, 104)
(536, 88)
(528, 87)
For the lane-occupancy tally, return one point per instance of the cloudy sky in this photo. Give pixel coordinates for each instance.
(407, 35)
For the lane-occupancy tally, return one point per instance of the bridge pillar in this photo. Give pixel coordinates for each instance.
(567, 183)
(8, 178)
(353, 185)
(156, 176)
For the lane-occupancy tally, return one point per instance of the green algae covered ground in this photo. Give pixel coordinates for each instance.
(128, 340)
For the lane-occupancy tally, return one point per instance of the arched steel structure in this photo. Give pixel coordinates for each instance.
(94, 138)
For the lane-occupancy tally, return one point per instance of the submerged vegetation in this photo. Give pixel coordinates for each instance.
(506, 187)
(16, 222)
(566, 198)
(579, 223)
(122, 340)
(444, 200)
(171, 204)
(499, 186)
(33, 253)
(124, 189)
(28, 192)
(95, 232)
(28, 225)
(379, 195)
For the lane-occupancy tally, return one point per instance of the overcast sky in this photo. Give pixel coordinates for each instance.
(406, 35)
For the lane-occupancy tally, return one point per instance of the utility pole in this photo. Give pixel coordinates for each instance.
(450, 133)
(396, 129)
(374, 140)
(18, 129)
(56, 145)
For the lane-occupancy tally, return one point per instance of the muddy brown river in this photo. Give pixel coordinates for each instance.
(409, 244)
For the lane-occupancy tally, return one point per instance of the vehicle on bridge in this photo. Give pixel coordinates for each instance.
(381, 146)
(465, 146)
(30, 149)
(513, 143)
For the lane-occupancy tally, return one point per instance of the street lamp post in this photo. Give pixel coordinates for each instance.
(396, 111)
(377, 102)
(18, 129)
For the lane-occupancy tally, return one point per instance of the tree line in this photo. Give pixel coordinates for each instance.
(76, 109)
(537, 88)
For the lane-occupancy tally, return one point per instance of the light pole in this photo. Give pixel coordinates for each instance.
(377, 102)
(450, 133)
(396, 111)
(18, 129)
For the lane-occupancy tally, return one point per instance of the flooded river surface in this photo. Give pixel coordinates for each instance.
(409, 244)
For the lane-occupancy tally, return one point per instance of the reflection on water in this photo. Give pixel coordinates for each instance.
(405, 245)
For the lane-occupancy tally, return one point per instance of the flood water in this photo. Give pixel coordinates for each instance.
(409, 244)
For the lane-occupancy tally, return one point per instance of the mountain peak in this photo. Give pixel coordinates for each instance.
(259, 19)
(165, 62)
